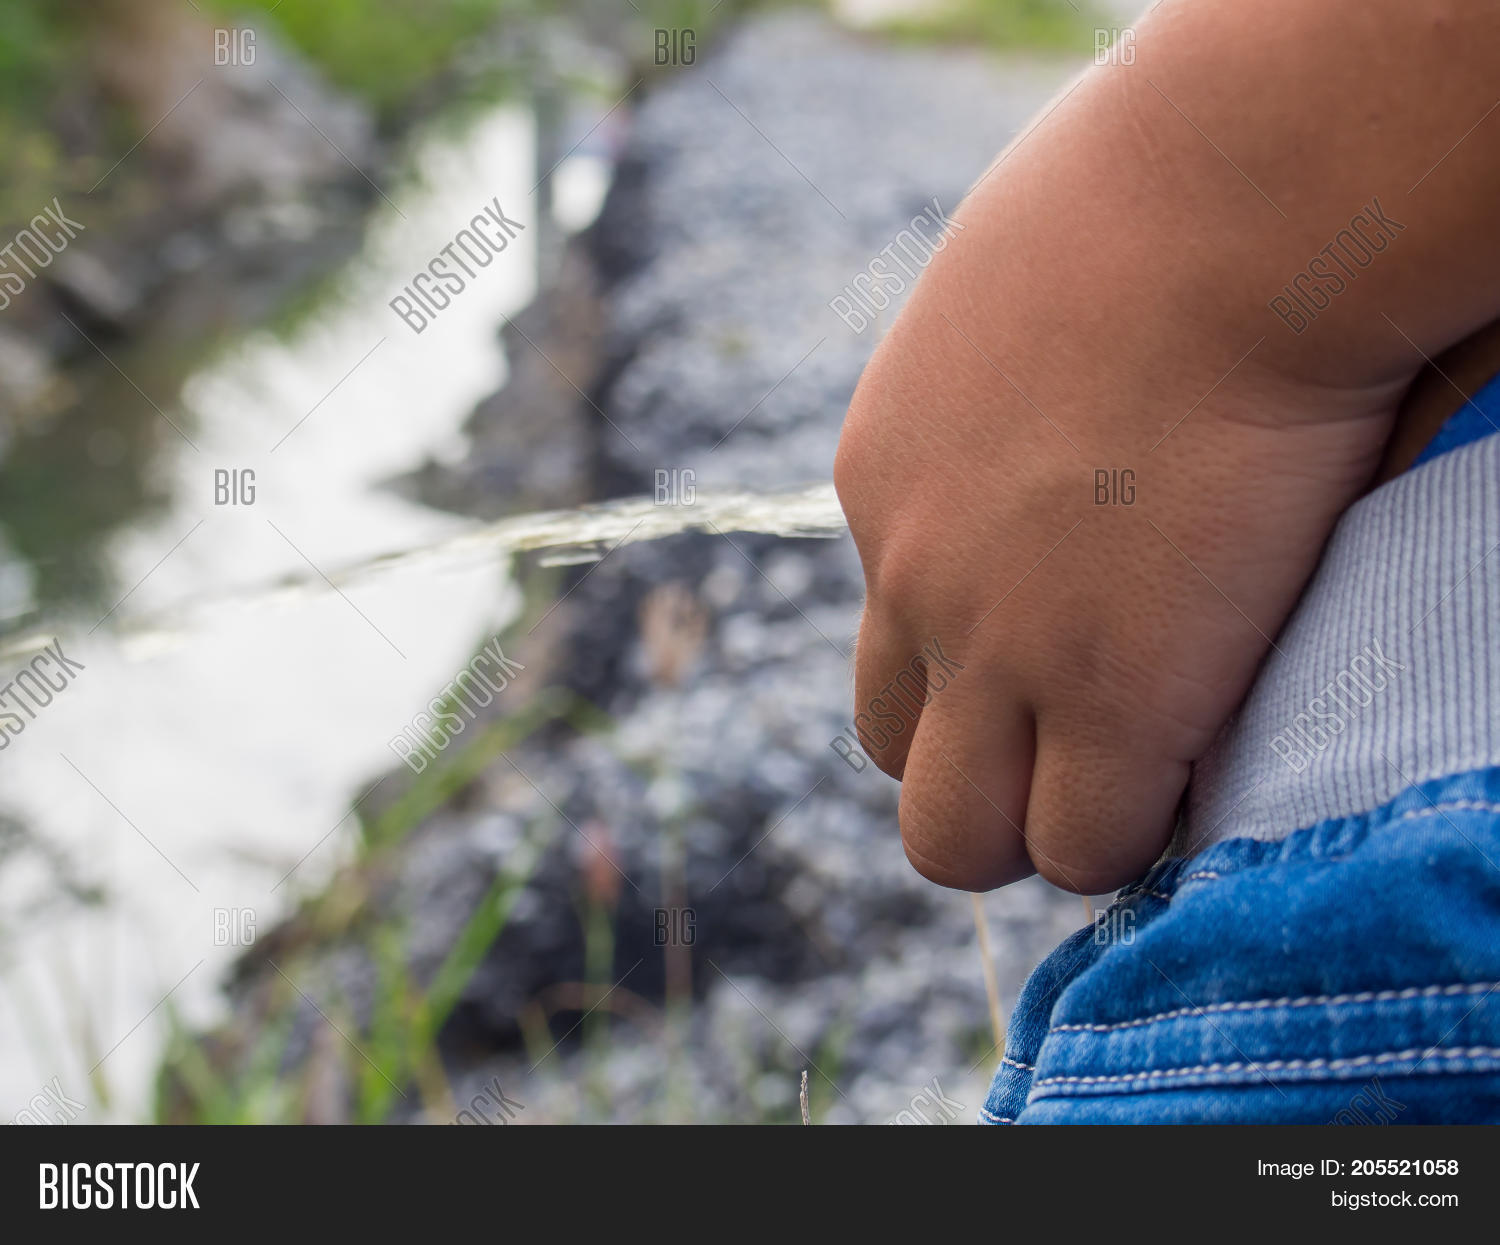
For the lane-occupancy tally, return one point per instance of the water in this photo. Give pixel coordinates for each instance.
(213, 774)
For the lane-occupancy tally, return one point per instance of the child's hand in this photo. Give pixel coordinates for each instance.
(1104, 311)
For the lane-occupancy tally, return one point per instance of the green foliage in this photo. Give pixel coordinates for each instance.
(384, 51)
(39, 45)
(398, 1046)
(37, 41)
(1008, 25)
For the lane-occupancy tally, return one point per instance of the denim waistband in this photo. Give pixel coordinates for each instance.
(1258, 979)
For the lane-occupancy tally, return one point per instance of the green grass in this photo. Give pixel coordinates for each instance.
(390, 1058)
(1004, 25)
(38, 39)
(383, 51)
(40, 46)
(211, 1081)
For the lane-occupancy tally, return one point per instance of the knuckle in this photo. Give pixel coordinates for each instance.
(966, 855)
(942, 872)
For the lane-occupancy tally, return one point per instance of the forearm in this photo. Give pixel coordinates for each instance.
(1196, 183)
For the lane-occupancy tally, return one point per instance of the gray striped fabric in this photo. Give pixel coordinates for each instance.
(1386, 674)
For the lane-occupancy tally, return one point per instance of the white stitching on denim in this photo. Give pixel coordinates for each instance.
(1434, 810)
(1156, 895)
(1016, 1063)
(1283, 1065)
(1453, 806)
(1309, 1000)
(995, 1119)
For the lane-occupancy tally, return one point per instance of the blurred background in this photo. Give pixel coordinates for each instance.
(270, 501)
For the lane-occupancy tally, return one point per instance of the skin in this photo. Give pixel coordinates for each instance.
(1440, 391)
(1105, 306)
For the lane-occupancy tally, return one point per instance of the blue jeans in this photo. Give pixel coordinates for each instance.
(1349, 973)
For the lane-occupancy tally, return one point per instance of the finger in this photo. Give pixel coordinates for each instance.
(1102, 809)
(890, 688)
(968, 774)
